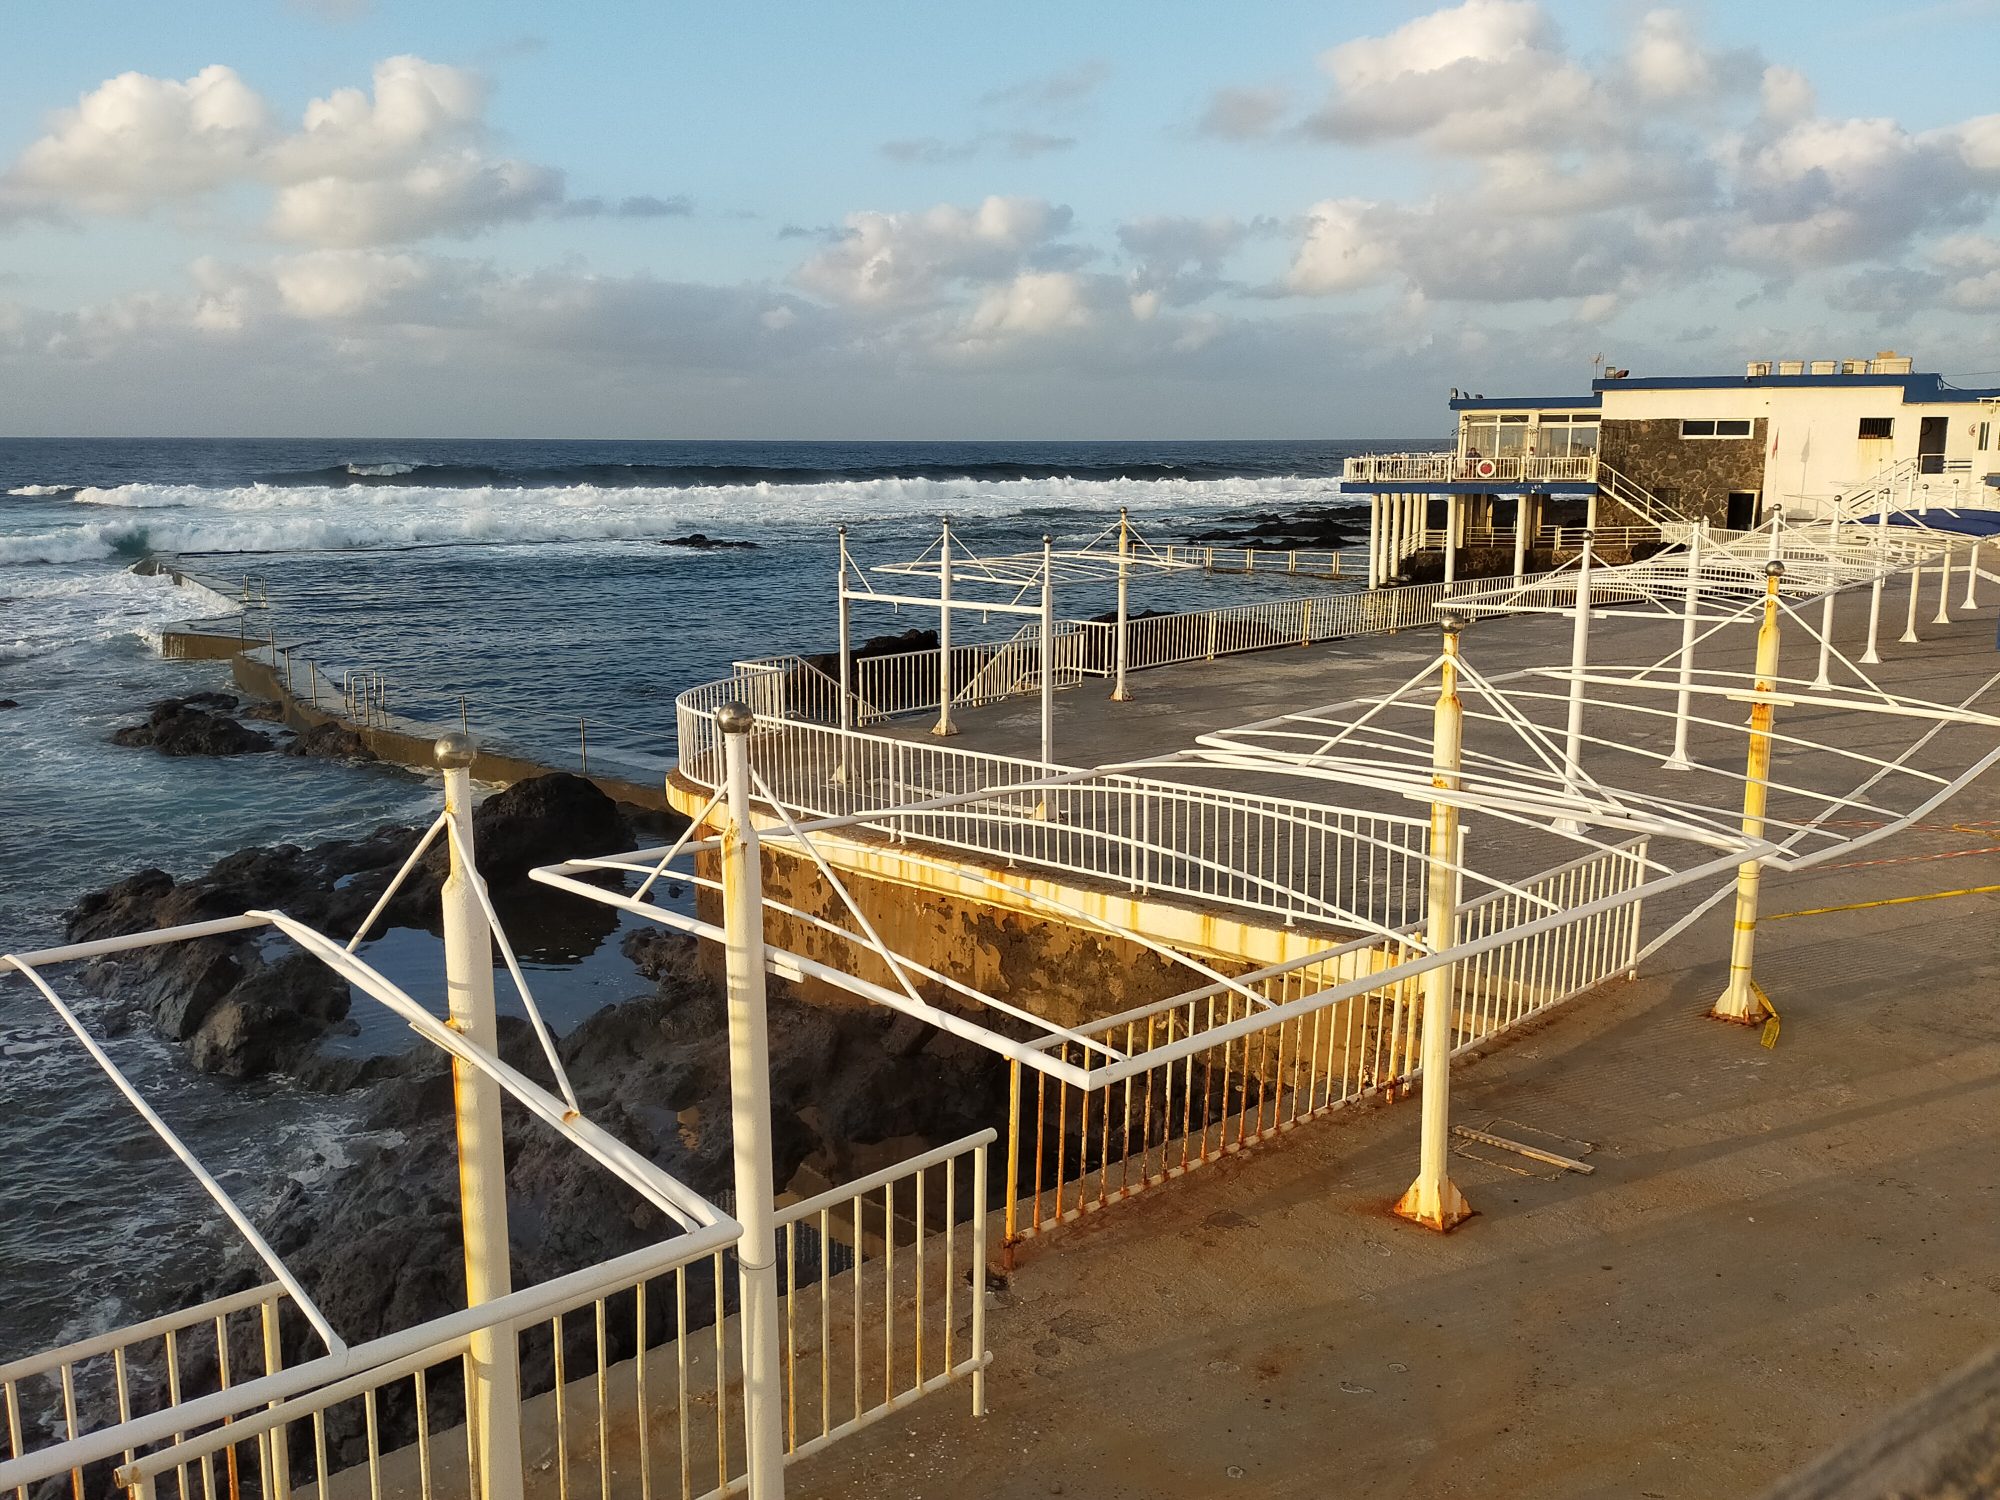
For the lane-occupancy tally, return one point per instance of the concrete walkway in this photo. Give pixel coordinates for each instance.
(1776, 1247)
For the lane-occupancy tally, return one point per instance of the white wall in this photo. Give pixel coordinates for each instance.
(1811, 449)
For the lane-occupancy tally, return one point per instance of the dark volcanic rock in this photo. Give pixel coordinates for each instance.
(331, 741)
(1312, 528)
(702, 542)
(8, 703)
(269, 713)
(193, 726)
(540, 821)
(265, 1021)
(247, 1012)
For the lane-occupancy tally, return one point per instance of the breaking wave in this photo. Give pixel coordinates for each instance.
(398, 474)
(132, 520)
(38, 490)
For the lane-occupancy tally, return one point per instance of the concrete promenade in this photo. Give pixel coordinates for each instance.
(1776, 1247)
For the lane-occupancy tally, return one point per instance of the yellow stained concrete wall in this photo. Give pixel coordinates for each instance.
(1003, 931)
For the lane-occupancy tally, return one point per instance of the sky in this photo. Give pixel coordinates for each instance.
(874, 220)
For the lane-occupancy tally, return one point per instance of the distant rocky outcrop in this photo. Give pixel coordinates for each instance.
(331, 741)
(196, 725)
(1312, 528)
(701, 541)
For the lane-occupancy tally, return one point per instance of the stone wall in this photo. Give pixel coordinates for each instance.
(1691, 475)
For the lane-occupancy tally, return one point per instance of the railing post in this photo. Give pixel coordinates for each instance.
(944, 725)
(846, 642)
(1013, 1165)
(1374, 541)
(1690, 608)
(1970, 601)
(1048, 649)
(494, 1403)
(978, 1281)
(1742, 1000)
(1872, 656)
(1825, 678)
(1523, 509)
(750, 1115)
(1909, 635)
(1119, 692)
(1433, 1199)
(1450, 538)
(279, 1447)
(1943, 616)
(1579, 658)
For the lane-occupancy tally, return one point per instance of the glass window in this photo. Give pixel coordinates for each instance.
(1877, 427)
(1697, 429)
(1720, 428)
(1479, 436)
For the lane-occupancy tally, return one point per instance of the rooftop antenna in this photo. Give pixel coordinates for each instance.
(1596, 364)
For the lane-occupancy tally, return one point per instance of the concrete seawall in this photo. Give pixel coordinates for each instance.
(261, 673)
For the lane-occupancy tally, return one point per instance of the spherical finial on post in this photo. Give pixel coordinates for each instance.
(735, 718)
(1774, 569)
(454, 751)
(1452, 621)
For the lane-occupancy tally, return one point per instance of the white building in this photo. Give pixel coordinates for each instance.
(1815, 436)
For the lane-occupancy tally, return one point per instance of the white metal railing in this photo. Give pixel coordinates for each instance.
(639, 1361)
(146, 1367)
(1451, 468)
(1306, 561)
(888, 686)
(1069, 1157)
(1264, 854)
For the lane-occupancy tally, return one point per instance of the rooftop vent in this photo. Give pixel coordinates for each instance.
(1889, 362)
(1826, 367)
(1854, 367)
(1759, 367)
(1791, 367)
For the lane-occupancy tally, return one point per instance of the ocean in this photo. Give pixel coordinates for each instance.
(523, 583)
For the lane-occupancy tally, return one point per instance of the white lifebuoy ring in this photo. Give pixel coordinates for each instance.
(1485, 468)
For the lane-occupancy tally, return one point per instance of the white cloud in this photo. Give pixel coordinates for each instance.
(1034, 303)
(1484, 76)
(1787, 94)
(451, 195)
(403, 162)
(416, 106)
(135, 141)
(890, 260)
(1667, 63)
(1349, 244)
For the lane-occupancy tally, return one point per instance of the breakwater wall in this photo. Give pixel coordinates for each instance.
(264, 669)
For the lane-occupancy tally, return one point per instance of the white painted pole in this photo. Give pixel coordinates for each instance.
(1909, 635)
(1690, 609)
(1522, 508)
(1943, 616)
(1969, 602)
(1433, 1199)
(1771, 552)
(944, 725)
(1873, 656)
(1742, 999)
(750, 1116)
(1579, 660)
(1119, 692)
(1375, 523)
(1825, 679)
(846, 642)
(1451, 539)
(494, 1402)
(1048, 650)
